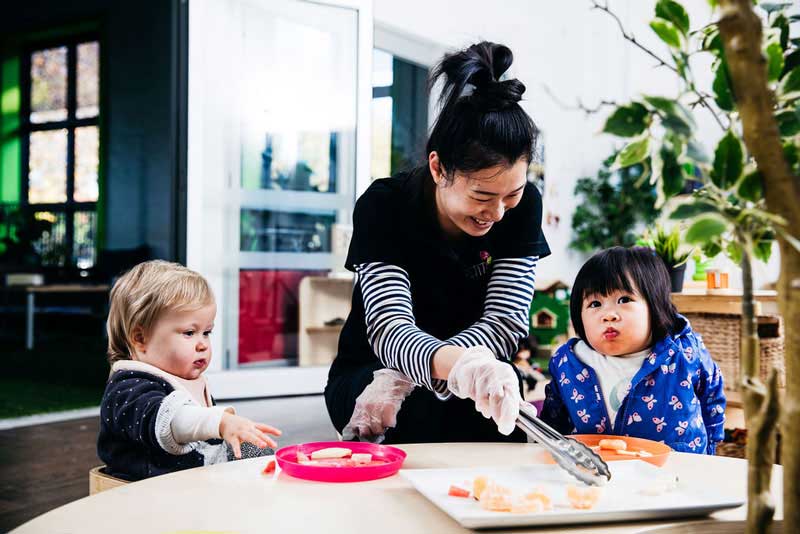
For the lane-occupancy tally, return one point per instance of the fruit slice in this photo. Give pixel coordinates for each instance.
(331, 452)
(270, 468)
(613, 444)
(361, 457)
(455, 491)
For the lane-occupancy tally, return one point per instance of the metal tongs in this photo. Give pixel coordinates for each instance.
(574, 457)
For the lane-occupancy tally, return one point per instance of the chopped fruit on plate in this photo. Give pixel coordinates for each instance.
(478, 485)
(496, 498)
(361, 457)
(270, 468)
(302, 457)
(583, 497)
(331, 452)
(613, 444)
(455, 491)
(533, 502)
(640, 454)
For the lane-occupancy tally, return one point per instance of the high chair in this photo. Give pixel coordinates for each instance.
(100, 481)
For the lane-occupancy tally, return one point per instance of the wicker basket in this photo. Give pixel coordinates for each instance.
(721, 335)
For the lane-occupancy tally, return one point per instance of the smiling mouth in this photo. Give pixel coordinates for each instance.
(481, 223)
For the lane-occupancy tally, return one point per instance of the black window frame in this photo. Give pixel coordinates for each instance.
(26, 128)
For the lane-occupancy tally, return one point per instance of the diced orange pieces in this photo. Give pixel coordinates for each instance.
(613, 444)
(533, 502)
(478, 485)
(270, 468)
(455, 491)
(583, 497)
(496, 498)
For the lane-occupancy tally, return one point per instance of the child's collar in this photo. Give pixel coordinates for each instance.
(142, 367)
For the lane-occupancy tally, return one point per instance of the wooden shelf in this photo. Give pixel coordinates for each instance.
(728, 302)
(322, 298)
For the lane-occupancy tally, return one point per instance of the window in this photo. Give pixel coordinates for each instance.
(399, 114)
(545, 319)
(60, 142)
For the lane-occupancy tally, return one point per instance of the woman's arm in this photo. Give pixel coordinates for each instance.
(391, 327)
(401, 345)
(505, 312)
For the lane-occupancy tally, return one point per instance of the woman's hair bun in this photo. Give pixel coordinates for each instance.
(480, 66)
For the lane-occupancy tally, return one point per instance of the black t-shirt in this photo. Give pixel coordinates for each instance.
(394, 222)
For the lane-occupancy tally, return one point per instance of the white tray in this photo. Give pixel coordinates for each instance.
(622, 498)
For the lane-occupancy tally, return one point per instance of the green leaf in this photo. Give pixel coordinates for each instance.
(774, 60)
(782, 24)
(763, 248)
(790, 82)
(751, 186)
(723, 95)
(634, 152)
(674, 116)
(734, 252)
(712, 41)
(691, 210)
(711, 249)
(769, 7)
(728, 161)
(705, 229)
(627, 121)
(671, 174)
(788, 122)
(667, 32)
(674, 13)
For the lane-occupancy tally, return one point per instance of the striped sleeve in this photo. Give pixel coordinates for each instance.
(505, 313)
(391, 328)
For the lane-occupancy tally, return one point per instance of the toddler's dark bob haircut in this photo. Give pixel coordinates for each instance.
(635, 269)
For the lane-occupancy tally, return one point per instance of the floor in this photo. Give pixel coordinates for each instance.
(45, 466)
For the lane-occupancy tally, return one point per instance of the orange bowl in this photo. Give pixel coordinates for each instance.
(660, 452)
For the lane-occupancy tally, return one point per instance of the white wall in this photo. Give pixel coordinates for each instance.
(576, 52)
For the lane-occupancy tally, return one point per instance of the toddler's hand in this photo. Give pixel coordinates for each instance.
(235, 429)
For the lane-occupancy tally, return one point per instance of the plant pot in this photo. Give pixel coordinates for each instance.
(676, 275)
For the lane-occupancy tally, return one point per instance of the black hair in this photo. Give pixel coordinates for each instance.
(626, 269)
(529, 343)
(480, 125)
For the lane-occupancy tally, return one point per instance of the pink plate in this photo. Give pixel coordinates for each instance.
(391, 456)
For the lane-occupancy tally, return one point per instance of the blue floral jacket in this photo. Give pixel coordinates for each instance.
(676, 397)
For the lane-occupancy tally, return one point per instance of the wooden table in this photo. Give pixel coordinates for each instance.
(724, 301)
(32, 291)
(236, 498)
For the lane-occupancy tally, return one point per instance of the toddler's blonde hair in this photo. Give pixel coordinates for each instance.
(143, 294)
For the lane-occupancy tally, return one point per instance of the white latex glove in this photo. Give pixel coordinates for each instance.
(377, 406)
(492, 384)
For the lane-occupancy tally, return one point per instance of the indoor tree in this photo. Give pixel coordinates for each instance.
(749, 191)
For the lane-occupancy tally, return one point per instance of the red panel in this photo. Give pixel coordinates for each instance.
(268, 314)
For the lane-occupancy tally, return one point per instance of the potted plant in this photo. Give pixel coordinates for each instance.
(19, 231)
(612, 208)
(667, 244)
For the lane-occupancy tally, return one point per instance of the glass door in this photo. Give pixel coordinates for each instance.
(279, 95)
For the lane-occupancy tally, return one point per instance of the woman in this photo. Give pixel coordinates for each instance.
(444, 258)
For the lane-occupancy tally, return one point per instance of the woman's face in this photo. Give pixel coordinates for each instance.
(473, 202)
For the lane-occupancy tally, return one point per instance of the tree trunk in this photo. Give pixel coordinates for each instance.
(760, 411)
(740, 28)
